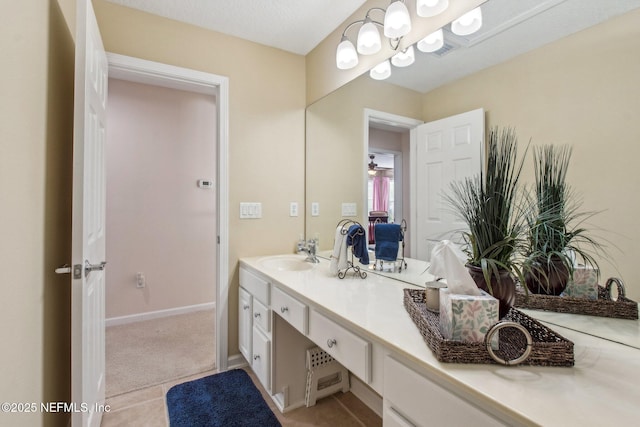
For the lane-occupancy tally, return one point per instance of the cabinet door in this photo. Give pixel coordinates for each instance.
(245, 326)
(261, 361)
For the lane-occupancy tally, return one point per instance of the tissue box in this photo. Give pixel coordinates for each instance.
(584, 284)
(467, 317)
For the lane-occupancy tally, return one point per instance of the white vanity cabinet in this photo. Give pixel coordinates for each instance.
(411, 399)
(254, 325)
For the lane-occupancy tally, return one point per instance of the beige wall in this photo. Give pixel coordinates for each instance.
(160, 142)
(266, 123)
(36, 109)
(582, 90)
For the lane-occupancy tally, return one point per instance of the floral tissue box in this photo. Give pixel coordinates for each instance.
(467, 317)
(584, 284)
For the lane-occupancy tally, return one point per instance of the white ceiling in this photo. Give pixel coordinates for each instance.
(293, 25)
(510, 27)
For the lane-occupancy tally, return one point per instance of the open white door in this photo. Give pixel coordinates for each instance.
(446, 150)
(88, 229)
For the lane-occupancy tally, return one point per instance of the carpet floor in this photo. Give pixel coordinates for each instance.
(151, 352)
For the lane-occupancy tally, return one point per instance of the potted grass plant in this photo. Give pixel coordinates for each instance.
(489, 204)
(556, 236)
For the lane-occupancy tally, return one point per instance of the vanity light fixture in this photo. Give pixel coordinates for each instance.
(397, 24)
(468, 23)
(428, 8)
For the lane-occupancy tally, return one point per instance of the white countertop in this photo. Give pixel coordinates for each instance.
(601, 389)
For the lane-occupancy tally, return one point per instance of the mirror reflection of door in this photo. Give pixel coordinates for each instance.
(387, 185)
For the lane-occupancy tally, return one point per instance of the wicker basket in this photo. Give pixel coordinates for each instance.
(623, 308)
(548, 348)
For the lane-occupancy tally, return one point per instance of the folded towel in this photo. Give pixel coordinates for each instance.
(357, 239)
(387, 238)
(339, 255)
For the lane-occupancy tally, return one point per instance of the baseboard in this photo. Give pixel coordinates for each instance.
(366, 395)
(236, 361)
(132, 318)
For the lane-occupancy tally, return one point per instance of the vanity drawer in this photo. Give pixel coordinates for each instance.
(257, 286)
(353, 352)
(261, 316)
(412, 399)
(290, 309)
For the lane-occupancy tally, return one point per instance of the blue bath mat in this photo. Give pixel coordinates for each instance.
(228, 399)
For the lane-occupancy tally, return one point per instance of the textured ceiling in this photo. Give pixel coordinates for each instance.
(293, 25)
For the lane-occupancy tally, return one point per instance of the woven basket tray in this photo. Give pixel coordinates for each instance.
(548, 348)
(623, 308)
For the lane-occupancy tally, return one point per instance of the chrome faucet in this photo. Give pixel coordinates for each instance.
(309, 247)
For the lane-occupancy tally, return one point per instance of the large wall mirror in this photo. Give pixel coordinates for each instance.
(580, 88)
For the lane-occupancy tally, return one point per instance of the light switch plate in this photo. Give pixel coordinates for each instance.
(349, 209)
(250, 210)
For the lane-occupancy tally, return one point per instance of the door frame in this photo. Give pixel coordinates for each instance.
(158, 74)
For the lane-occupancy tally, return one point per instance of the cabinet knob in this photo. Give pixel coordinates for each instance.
(284, 309)
(256, 315)
(246, 307)
(331, 342)
(256, 357)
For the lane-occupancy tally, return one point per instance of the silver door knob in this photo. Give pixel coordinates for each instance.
(284, 309)
(331, 342)
(256, 315)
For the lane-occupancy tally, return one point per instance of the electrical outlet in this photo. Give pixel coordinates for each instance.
(315, 209)
(140, 280)
(293, 209)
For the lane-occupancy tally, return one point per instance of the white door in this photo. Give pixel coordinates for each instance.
(88, 229)
(446, 150)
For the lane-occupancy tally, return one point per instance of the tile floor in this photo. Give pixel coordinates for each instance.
(147, 408)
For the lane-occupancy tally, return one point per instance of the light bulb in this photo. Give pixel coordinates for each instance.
(468, 23)
(427, 8)
(381, 71)
(432, 42)
(346, 55)
(397, 22)
(369, 39)
(404, 58)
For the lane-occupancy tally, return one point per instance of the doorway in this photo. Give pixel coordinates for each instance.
(213, 184)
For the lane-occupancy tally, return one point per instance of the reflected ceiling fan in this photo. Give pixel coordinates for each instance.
(373, 166)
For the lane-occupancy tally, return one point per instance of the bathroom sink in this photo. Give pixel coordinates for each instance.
(286, 263)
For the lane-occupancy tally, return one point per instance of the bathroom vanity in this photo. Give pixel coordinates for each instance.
(288, 306)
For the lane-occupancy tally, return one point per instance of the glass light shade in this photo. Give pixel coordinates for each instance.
(404, 58)
(397, 22)
(346, 55)
(369, 39)
(427, 8)
(432, 42)
(468, 23)
(381, 71)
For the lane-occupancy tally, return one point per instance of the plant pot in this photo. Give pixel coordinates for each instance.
(503, 287)
(547, 277)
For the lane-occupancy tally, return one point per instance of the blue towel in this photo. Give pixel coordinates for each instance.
(387, 238)
(357, 239)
